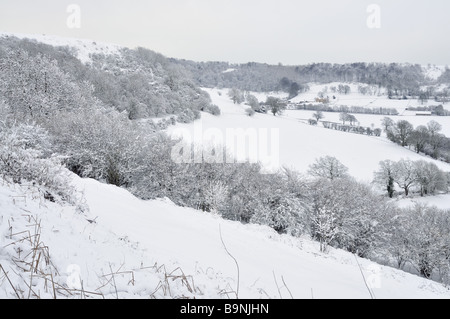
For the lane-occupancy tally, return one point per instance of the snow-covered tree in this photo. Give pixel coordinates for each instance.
(35, 87)
(384, 176)
(425, 239)
(346, 214)
(404, 175)
(402, 131)
(99, 144)
(276, 106)
(429, 177)
(214, 196)
(25, 157)
(236, 96)
(328, 167)
(252, 101)
(318, 115)
(436, 139)
(283, 214)
(419, 138)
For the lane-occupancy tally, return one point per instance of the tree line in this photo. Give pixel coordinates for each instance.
(422, 176)
(398, 79)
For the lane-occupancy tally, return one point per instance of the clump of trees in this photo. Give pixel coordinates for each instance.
(26, 157)
(421, 176)
(140, 82)
(343, 213)
(424, 139)
(418, 239)
(275, 105)
(292, 88)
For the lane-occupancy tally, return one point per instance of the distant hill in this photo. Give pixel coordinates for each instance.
(141, 82)
(399, 80)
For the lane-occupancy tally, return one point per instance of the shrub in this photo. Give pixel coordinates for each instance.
(250, 112)
(23, 159)
(213, 109)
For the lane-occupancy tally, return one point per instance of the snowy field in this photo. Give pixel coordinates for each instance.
(440, 201)
(138, 243)
(377, 100)
(301, 144)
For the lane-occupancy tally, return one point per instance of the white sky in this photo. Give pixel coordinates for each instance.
(271, 31)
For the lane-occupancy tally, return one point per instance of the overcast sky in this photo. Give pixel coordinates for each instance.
(271, 31)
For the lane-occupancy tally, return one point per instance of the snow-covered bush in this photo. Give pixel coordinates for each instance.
(420, 237)
(35, 86)
(188, 116)
(346, 214)
(25, 158)
(283, 214)
(250, 112)
(213, 109)
(98, 144)
(215, 196)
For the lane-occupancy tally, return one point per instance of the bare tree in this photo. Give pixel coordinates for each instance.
(318, 115)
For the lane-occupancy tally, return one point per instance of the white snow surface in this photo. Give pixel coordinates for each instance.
(130, 235)
(229, 70)
(441, 201)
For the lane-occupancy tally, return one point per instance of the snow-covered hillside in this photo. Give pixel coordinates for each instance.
(128, 248)
(84, 47)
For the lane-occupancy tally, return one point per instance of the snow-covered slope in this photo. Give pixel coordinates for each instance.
(84, 47)
(141, 242)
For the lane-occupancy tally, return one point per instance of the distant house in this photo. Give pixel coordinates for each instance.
(423, 113)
